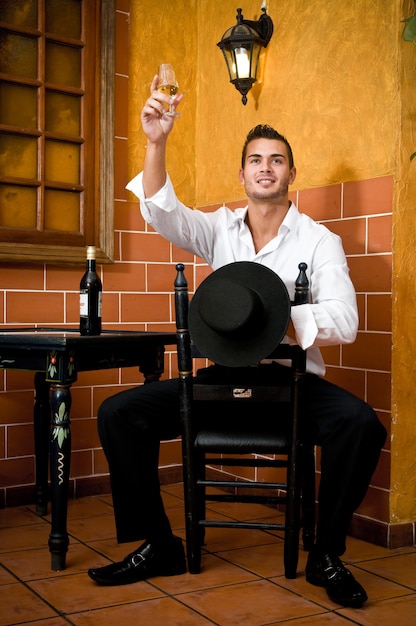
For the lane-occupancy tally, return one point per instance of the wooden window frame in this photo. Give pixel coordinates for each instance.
(104, 149)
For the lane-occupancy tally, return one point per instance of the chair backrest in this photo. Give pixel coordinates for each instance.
(182, 312)
(292, 355)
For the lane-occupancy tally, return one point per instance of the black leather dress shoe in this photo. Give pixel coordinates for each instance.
(328, 571)
(145, 562)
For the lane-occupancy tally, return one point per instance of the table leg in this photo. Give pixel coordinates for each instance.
(42, 423)
(152, 364)
(60, 458)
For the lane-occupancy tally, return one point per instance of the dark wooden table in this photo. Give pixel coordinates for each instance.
(57, 356)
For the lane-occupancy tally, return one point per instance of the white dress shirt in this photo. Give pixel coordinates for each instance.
(223, 237)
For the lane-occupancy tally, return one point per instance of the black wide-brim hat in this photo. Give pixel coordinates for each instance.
(239, 314)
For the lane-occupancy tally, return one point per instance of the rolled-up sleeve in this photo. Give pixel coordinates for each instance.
(332, 316)
(164, 199)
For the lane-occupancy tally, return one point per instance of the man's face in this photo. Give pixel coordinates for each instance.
(266, 174)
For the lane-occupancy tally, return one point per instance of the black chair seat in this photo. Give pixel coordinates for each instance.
(241, 442)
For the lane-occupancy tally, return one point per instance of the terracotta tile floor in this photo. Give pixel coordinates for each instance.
(242, 580)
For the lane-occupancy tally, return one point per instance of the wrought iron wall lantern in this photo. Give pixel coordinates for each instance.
(241, 46)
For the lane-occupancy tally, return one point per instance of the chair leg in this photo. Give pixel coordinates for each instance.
(292, 521)
(193, 550)
(196, 509)
(308, 497)
(291, 553)
(193, 540)
(190, 471)
(201, 496)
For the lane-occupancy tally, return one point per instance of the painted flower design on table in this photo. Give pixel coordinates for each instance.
(52, 365)
(71, 364)
(52, 369)
(59, 432)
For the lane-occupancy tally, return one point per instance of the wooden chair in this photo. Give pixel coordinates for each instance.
(277, 446)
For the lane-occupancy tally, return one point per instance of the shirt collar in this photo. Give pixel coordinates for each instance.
(289, 223)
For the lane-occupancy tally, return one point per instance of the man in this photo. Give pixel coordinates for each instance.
(269, 230)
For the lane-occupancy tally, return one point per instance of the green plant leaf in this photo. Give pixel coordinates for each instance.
(409, 31)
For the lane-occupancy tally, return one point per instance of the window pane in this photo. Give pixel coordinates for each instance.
(63, 17)
(17, 207)
(57, 70)
(19, 12)
(63, 65)
(62, 211)
(18, 54)
(62, 113)
(18, 105)
(18, 156)
(62, 162)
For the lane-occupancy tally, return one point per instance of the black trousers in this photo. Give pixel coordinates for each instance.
(132, 423)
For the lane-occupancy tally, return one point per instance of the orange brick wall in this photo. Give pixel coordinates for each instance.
(361, 213)
(137, 293)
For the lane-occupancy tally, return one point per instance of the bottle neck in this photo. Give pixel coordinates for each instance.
(91, 266)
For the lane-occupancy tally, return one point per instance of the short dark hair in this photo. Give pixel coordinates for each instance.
(264, 131)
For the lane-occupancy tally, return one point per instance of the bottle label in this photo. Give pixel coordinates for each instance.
(83, 304)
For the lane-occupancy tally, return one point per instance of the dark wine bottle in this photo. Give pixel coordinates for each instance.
(90, 297)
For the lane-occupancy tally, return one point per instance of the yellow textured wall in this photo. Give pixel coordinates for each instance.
(329, 83)
(403, 449)
(339, 81)
(328, 80)
(165, 32)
